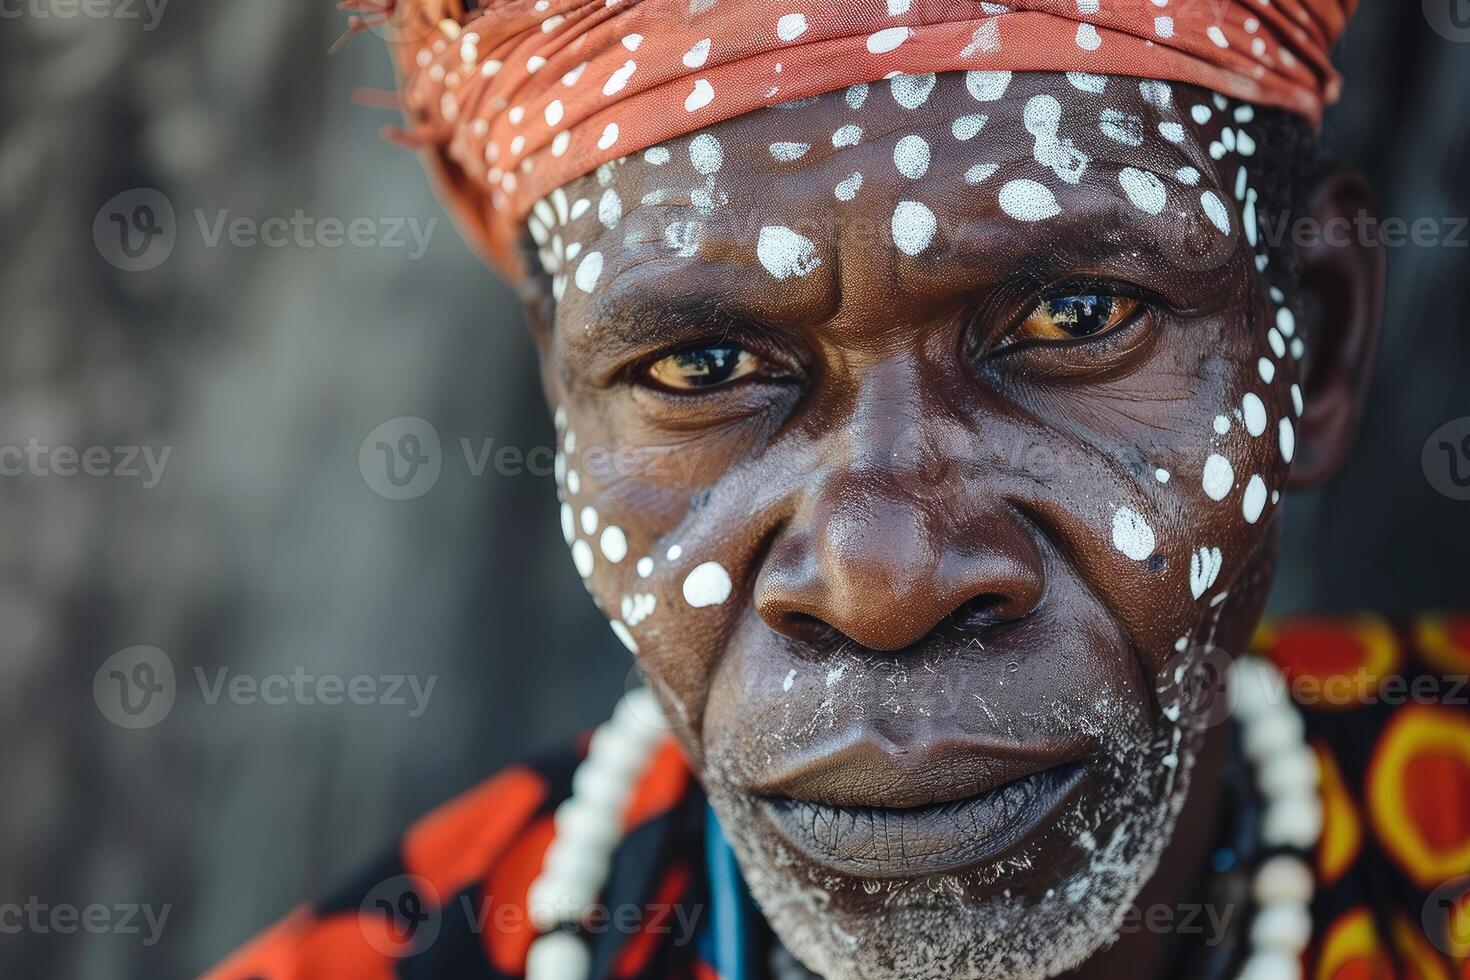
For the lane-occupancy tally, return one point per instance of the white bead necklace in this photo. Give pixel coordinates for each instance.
(589, 827)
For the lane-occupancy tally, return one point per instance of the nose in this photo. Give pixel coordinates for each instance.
(886, 571)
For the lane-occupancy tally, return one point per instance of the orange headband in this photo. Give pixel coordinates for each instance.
(521, 96)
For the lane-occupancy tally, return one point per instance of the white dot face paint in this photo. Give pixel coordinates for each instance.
(1204, 568)
(707, 585)
(913, 227)
(706, 154)
(1215, 211)
(849, 135)
(1254, 411)
(980, 173)
(589, 271)
(1026, 200)
(786, 152)
(1222, 425)
(847, 189)
(966, 128)
(614, 544)
(1146, 191)
(1255, 499)
(1287, 439)
(911, 156)
(987, 86)
(621, 632)
(589, 520)
(1219, 477)
(582, 557)
(1267, 369)
(911, 91)
(791, 26)
(888, 39)
(1132, 535)
(786, 253)
(568, 523)
(645, 567)
(1162, 475)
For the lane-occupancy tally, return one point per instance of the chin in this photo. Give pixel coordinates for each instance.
(1031, 894)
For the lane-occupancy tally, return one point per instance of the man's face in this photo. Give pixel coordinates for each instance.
(912, 437)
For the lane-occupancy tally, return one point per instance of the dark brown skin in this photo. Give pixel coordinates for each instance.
(909, 480)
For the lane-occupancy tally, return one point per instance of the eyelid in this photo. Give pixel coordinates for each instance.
(760, 341)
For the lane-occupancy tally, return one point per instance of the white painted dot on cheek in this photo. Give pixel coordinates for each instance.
(1222, 425)
(1132, 535)
(1171, 131)
(645, 567)
(568, 523)
(609, 136)
(1288, 439)
(1255, 499)
(589, 520)
(614, 543)
(589, 271)
(1255, 414)
(1285, 322)
(1164, 26)
(856, 95)
(1296, 399)
(786, 253)
(1267, 368)
(674, 553)
(911, 156)
(848, 188)
(1088, 39)
(980, 173)
(1188, 176)
(707, 585)
(702, 95)
(1273, 337)
(1026, 200)
(1146, 191)
(621, 632)
(582, 557)
(695, 57)
(1219, 477)
(657, 155)
(574, 482)
(786, 152)
(790, 680)
(1162, 475)
(1215, 211)
(913, 227)
(1084, 82)
(848, 135)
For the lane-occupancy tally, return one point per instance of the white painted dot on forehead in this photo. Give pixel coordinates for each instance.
(786, 152)
(1132, 535)
(589, 520)
(987, 86)
(1188, 176)
(1172, 131)
(1215, 211)
(657, 155)
(582, 557)
(1222, 425)
(911, 91)
(786, 253)
(589, 271)
(791, 26)
(856, 95)
(674, 553)
(706, 154)
(1297, 403)
(913, 227)
(1085, 82)
(1155, 93)
(707, 585)
(847, 189)
(911, 156)
(645, 567)
(1204, 569)
(1121, 127)
(614, 543)
(1026, 200)
(1267, 369)
(1088, 39)
(1162, 475)
(848, 135)
(966, 128)
(980, 173)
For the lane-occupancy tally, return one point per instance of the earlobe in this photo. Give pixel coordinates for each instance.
(1339, 310)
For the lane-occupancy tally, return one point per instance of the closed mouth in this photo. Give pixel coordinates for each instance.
(879, 842)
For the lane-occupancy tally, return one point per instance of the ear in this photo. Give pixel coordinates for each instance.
(1339, 306)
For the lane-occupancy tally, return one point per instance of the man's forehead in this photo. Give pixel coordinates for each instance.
(918, 167)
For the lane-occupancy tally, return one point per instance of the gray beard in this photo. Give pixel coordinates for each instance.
(932, 928)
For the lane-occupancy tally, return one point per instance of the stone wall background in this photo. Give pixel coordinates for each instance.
(262, 550)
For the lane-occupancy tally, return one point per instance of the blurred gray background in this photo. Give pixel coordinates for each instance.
(262, 550)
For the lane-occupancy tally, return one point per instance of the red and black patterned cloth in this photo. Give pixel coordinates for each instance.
(1386, 711)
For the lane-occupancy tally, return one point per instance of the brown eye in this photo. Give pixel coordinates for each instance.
(703, 367)
(1076, 316)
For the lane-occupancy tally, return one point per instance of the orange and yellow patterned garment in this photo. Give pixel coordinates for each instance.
(1386, 710)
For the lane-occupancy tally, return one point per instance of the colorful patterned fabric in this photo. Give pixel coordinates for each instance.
(521, 97)
(1385, 706)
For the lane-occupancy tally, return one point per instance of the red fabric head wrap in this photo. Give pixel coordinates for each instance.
(520, 96)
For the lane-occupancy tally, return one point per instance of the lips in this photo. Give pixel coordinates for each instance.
(875, 810)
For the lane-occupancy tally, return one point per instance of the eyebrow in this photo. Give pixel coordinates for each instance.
(647, 318)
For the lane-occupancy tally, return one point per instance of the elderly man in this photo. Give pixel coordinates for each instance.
(956, 382)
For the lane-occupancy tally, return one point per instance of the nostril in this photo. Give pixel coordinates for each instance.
(980, 611)
(805, 627)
